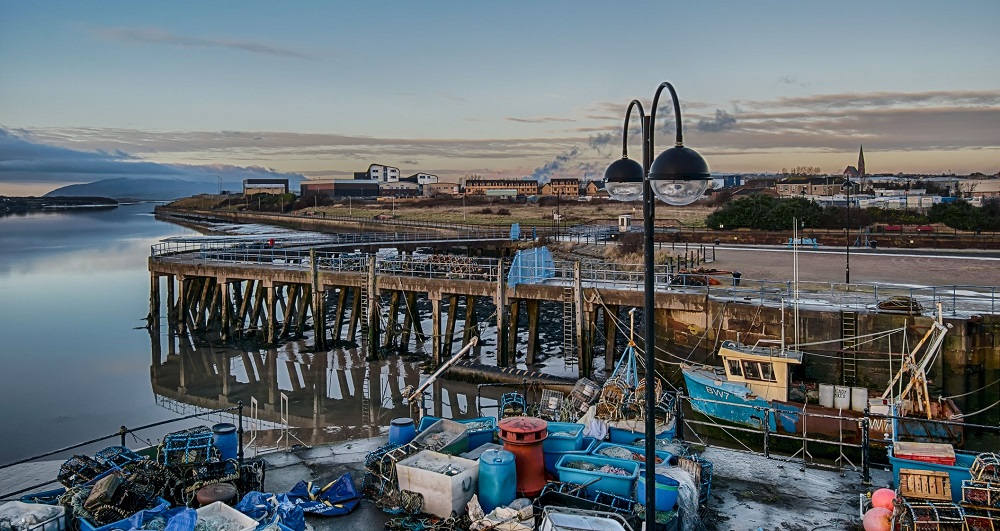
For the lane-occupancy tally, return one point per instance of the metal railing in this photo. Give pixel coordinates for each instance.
(955, 299)
(121, 434)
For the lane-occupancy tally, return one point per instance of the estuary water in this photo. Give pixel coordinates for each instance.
(78, 360)
(73, 287)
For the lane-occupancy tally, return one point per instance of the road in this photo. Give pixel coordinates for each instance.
(927, 267)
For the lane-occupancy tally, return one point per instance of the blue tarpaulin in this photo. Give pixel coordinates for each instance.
(531, 266)
(335, 498)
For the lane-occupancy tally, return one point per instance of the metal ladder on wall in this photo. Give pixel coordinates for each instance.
(569, 337)
(849, 334)
(366, 402)
(364, 313)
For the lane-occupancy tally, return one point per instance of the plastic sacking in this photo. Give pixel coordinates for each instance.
(178, 518)
(268, 508)
(335, 498)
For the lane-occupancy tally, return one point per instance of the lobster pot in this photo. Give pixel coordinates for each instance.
(986, 467)
(981, 494)
(841, 397)
(826, 395)
(918, 515)
(982, 519)
(859, 398)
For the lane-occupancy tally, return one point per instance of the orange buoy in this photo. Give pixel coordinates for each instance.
(523, 436)
(883, 498)
(878, 519)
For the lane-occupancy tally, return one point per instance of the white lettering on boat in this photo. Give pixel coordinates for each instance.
(717, 392)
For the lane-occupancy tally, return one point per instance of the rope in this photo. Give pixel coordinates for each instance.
(976, 391)
(985, 409)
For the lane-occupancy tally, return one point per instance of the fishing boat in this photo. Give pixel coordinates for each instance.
(753, 387)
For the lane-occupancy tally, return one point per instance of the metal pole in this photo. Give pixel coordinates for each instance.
(847, 272)
(649, 321)
(239, 431)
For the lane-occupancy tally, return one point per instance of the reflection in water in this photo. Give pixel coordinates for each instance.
(331, 396)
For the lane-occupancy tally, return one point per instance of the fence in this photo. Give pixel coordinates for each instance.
(955, 299)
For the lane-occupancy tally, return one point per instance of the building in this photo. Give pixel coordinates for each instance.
(265, 186)
(422, 178)
(979, 187)
(399, 189)
(378, 172)
(517, 186)
(593, 189)
(566, 186)
(813, 186)
(337, 188)
(433, 189)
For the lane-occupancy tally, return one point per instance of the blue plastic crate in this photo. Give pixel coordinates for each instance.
(662, 454)
(476, 438)
(551, 458)
(623, 436)
(956, 473)
(563, 443)
(614, 484)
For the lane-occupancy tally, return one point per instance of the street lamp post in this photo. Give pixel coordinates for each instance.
(847, 271)
(678, 176)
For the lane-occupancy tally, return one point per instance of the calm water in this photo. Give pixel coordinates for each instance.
(77, 362)
(73, 285)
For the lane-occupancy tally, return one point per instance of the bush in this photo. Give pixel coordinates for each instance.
(761, 211)
(502, 212)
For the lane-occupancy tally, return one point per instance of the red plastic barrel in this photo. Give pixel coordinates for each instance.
(523, 436)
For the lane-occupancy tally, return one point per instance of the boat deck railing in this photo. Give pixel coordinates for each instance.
(807, 443)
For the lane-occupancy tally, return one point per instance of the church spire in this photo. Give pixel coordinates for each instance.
(861, 162)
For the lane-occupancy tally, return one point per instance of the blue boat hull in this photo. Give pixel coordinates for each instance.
(733, 403)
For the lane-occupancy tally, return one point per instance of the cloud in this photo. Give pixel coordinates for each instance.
(23, 160)
(157, 36)
(791, 80)
(865, 100)
(722, 121)
(539, 120)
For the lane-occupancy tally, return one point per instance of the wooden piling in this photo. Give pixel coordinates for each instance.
(471, 328)
(499, 300)
(449, 335)
(511, 350)
(392, 317)
(532, 307)
(352, 325)
(338, 316)
(436, 328)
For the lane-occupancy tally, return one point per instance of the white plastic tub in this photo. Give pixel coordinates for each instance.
(443, 494)
(219, 510)
(56, 514)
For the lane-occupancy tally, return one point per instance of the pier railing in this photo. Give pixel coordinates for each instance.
(955, 299)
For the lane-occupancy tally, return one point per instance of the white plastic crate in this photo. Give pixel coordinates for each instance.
(443, 494)
(56, 522)
(240, 521)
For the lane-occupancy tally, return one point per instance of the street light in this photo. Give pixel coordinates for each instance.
(847, 187)
(678, 176)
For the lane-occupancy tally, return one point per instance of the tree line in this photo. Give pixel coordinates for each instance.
(765, 212)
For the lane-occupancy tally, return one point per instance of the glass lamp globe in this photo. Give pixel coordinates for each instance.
(679, 176)
(623, 180)
(680, 192)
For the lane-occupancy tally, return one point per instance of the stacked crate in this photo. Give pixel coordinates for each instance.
(981, 494)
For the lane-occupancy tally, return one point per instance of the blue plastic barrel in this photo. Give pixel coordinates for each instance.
(666, 491)
(224, 438)
(401, 431)
(497, 479)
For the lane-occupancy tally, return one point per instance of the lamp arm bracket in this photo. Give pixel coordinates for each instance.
(679, 140)
(628, 114)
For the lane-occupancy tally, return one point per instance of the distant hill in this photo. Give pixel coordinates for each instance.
(145, 188)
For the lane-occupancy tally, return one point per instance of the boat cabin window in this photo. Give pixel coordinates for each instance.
(755, 370)
(734, 368)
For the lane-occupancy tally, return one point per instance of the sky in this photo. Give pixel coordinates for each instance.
(506, 89)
